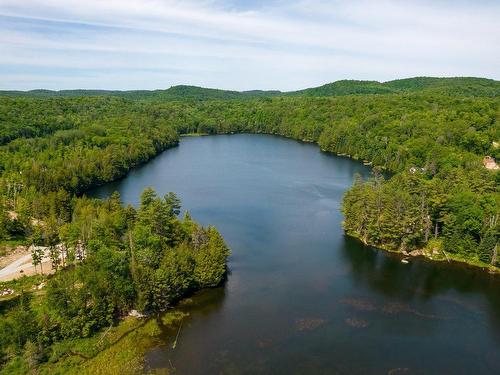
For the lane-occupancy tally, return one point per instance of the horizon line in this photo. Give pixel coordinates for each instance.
(243, 91)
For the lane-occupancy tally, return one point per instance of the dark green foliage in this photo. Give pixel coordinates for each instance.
(180, 92)
(488, 247)
(468, 86)
(209, 258)
(450, 86)
(392, 214)
(146, 259)
(169, 258)
(346, 87)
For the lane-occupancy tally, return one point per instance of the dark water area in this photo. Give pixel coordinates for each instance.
(301, 297)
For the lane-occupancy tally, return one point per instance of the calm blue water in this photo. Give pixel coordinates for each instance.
(302, 298)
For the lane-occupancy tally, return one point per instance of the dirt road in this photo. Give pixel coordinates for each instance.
(21, 264)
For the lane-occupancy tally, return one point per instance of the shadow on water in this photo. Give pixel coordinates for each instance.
(200, 305)
(425, 280)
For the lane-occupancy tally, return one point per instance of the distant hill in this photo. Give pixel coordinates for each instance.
(201, 93)
(50, 93)
(469, 86)
(345, 87)
(464, 86)
(173, 93)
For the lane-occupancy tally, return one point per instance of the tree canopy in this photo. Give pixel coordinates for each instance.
(424, 137)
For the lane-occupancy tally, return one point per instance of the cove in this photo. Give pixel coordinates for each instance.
(302, 298)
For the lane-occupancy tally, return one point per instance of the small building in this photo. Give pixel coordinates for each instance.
(489, 163)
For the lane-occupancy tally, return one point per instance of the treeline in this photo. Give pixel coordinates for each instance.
(455, 86)
(440, 198)
(29, 118)
(110, 259)
(439, 217)
(89, 142)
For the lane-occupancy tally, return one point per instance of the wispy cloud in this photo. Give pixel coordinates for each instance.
(241, 44)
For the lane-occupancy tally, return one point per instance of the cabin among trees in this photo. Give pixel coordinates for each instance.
(489, 163)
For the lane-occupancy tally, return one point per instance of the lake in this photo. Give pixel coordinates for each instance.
(301, 297)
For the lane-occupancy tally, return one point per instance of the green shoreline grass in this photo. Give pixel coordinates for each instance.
(117, 350)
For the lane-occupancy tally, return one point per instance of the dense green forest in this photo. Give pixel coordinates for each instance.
(427, 136)
(431, 141)
(110, 259)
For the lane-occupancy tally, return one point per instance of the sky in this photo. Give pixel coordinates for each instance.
(242, 44)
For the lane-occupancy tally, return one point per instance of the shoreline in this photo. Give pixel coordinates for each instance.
(423, 254)
(368, 163)
(194, 135)
(477, 264)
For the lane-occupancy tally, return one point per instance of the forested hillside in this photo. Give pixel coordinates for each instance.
(180, 92)
(109, 259)
(449, 86)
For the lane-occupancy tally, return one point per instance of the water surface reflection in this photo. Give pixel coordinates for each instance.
(302, 298)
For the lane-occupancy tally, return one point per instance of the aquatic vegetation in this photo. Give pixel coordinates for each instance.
(357, 322)
(309, 324)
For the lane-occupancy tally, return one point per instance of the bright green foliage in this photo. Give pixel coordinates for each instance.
(393, 214)
(405, 212)
(439, 129)
(117, 259)
(429, 134)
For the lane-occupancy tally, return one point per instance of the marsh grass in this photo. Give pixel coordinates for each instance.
(115, 350)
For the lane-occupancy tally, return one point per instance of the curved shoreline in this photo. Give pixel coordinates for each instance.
(451, 258)
(476, 264)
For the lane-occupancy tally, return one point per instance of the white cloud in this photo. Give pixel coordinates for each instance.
(284, 45)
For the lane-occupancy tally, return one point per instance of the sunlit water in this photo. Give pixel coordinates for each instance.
(302, 298)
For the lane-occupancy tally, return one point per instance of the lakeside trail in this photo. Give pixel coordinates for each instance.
(19, 263)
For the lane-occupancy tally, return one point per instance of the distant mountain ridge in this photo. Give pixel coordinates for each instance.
(458, 86)
(465, 86)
